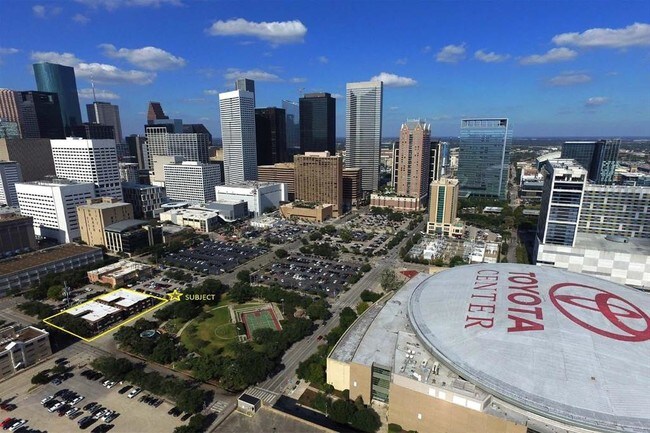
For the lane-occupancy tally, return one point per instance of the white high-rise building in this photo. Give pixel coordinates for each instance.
(106, 113)
(93, 161)
(192, 181)
(53, 206)
(189, 146)
(10, 174)
(237, 109)
(363, 130)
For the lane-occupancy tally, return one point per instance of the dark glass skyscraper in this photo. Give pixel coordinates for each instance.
(317, 123)
(484, 157)
(60, 79)
(41, 115)
(271, 135)
(599, 158)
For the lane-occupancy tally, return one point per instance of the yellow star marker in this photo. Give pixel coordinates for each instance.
(175, 295)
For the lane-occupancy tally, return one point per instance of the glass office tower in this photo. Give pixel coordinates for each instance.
(599, 158)
(60, 79)
(484, 157)
(317, 123)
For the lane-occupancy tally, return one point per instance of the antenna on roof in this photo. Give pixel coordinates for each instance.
(92, 83)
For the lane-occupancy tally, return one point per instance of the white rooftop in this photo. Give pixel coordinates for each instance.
(125, 298)
(92, 311)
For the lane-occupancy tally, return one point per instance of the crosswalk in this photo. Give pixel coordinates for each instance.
(219, 406)
(268, 397)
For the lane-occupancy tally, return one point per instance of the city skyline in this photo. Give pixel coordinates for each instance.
(555, 68)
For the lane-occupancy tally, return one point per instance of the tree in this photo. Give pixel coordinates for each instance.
(366, 419)
(345, 235)
(244, 276)
(319, 310)
(281, 253)
(315, 236)
(241, 292)
(328, 229)
(389, 280)
(365, 268)
(41, 378)
(369, 296)
(55, 292)
(456, 261)
(341, 411)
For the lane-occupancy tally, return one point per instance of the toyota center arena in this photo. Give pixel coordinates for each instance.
(503, 348)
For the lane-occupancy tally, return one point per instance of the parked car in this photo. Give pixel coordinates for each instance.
(46, 399)
(134, 392)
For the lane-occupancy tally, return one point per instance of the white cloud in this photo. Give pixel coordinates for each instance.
(298, 80)
(115, 4)
(42, 11)
(7, 52)
(490, 57)
(323, 59)
(150, 58)
(212, 92)
(337, 95)
(99, 72)
(637, 34)
(426, 49)
(392, 80)
(569, 79)
(401, 61)
(552, 55)
(451, 54)
(253, 74)
(284, 32)
(102, 95)
(596, 101)
(81, 19)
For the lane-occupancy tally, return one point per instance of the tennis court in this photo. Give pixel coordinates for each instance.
(259, 319)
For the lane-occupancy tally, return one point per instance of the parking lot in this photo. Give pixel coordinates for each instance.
(376, 223)
(214, 258)
(132, 415)
(283, 232)
(309, 274)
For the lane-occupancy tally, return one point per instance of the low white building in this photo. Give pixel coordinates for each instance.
(192, 181)
(260, 196)
(53, 205)
(201, 220)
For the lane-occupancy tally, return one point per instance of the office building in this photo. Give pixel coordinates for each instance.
(21, 348)
(137, 145)
(41, 115)
(310, 212)
(352, 192)
(155, 112)
(145, 199)
(10, 174)
(98, 213)
(237, 111)
(564, 184)
(201, 220)
(246, 85)
(484, 157)
(292, 122)
(33, 154)
(92, 161)
(437, 169)
(260, 197)
(271, 135)
(129, 172)
(106, 113)
(363, 119)
(9, 129)
(443, 206)
(60, 79)
(157, 176)
(11, 110)
(599, 158)
(414, 159)
(319, 180)
(16, 234)
(53, 205)
(191, 181)
(94, 131)
(617, 210)
(317, 123)
(198, 128)
(283, 172)
(120, 273)
(162, 142)
(130, 236)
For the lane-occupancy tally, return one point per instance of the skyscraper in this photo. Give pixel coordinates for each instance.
(60, 79)
(94, 131)
(319, 179)
(363, 119)
(270, 135)
(317, 123)
(192, 181)
(484, 157)
(443, 206)
(155, 112)
(106, 113)
(41, 115)
(237, 109)
(92, 161)
(10, 109)
(414, 160)
(33, 154)
(246, 85)
(10, 174)
(190, 146)
(292, 111)
(597, 157)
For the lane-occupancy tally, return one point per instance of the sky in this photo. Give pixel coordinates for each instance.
(555, 68)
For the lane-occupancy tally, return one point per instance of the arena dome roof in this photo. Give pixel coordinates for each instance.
(562, 345)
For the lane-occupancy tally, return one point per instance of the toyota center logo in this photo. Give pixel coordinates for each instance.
(601, 312)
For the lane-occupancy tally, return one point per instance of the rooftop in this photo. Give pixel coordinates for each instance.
(124, 225)
(637, 246)
(92, 311)
(123, 298)
(42, 257)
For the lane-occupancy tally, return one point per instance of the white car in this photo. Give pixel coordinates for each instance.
(56, 406)
(17, 424)
(134, 392)
(77, 400)
(106, 382)
(107, 414)
(110, 385)
(99, 414)
(46, 399)
(72, 411)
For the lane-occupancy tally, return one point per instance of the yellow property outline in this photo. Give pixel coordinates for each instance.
(130, 319)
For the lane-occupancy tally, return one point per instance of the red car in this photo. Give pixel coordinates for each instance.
(7, 421)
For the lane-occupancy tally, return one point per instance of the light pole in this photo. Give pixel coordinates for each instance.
(282, 300)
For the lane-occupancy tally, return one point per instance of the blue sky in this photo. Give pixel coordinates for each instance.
(579, 68)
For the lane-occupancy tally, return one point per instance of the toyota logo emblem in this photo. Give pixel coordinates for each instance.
(601, 312)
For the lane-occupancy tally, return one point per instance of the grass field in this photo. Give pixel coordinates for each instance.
(210, 334)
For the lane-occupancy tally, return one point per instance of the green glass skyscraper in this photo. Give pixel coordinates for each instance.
(60, 79)
(484, 157)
